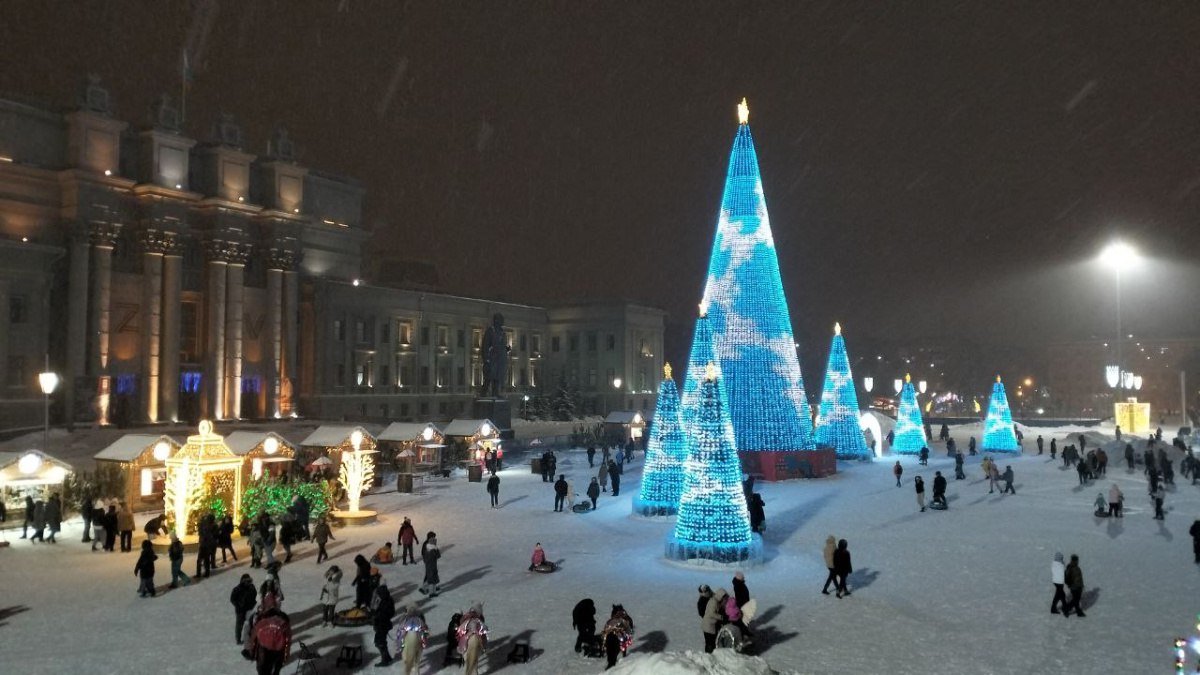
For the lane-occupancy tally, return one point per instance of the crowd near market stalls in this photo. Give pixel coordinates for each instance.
(30, 472)
(142, 461)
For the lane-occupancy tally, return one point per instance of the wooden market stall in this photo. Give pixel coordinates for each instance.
(625, 425)
(142, 458)
(423, 442)
(31, 471)
(262, 452)
(332, 440)
(477, 436)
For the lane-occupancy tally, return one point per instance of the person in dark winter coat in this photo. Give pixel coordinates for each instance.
(432, 583)
(206, 551)
(362, 581)
(714, 618)
(54, 516)
(1157, 495)
(583, 620)
(39, 521)
(758, 516)
(1074, 581)
(614, 477)
(289, 534)
(741, 595)
(271, 641)
(144, 570)
(321, 534)
(919, 484)
(175, 555)
(1129, 455)
(155, 526)
(243, 598)
(560, 492)
(593, 492)
(1008, 479)
(225, 539)
(493, 488)
(383, 609)
(1195, 532)
(939, 489)
(842, 566)
(1040, 443)
(971, 446)
(959, 474)
(591, 454)
(110, 528)
(1053, 448)
(29, 509)
(897, 471)
(924, 456)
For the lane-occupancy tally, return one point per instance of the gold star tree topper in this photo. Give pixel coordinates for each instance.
(666, 371)
(743, 112)
(710, 371)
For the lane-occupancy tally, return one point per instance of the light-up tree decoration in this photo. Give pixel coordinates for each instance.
(910, 429)
(750, 320)
(357, 471)
(713, 521)
(837, 416)
(701, 355)
(998, 434)
(666, 451)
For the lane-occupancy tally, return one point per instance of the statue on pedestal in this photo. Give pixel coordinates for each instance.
(495, 357)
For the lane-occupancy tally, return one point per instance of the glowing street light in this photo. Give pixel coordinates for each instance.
(868, 384)
(898, 384)
(922, 385)
(1118, 255)
(49, 382)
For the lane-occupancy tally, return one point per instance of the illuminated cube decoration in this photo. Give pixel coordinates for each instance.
(745, 302)
(666, 451)
(910, 429)
(998, 434)
(713, 523)
(837, 416)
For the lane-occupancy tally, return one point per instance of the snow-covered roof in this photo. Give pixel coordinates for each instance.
(49, 471)
(469, 427)
(407, 431)
(128, 447)
(330, 435)
(624, 417)
(242, 442)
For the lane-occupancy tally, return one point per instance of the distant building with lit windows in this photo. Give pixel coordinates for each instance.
(168, 279)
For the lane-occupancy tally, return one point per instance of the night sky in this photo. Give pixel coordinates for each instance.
(949, 170)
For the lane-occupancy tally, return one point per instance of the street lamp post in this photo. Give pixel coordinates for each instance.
(525, 406)
(1117, 255)
(49, 382)
(617, 386)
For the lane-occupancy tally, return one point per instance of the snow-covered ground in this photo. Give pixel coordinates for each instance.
(962, 591)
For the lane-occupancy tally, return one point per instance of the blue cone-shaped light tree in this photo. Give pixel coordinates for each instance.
(910, 429)
(666, 451)
(713, 523)
(837, 417)
(752, 328)
(702, 354)
(998, 434)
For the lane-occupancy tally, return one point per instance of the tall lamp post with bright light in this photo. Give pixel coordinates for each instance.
(49, 382)
(1118, 255)
(617, 387)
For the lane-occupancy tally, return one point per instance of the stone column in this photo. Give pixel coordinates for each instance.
(77, 315)
(214, 377)
(168, 397)
(104, 238)
(274, 338)
(234, 279)
(291, 314)
(152, 269)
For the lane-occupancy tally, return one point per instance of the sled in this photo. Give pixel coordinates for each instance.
(729, 636)
(545, 568)
(938, 506)
(582, 508)
(353, 617)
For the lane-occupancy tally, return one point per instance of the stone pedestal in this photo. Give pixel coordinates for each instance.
(498, 410)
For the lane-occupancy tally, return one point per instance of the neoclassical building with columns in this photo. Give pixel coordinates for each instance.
(167, 279)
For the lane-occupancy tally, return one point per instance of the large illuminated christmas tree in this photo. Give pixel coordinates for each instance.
(837, 417)
(910, 429)
(701, 355)
(713, 522)
(749, 313)
(998, 434)
(666, 451)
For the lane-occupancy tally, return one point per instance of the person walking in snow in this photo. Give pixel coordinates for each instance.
(971, 446)
(842, 566)
(939, 490)
(383, 610)
(225, 539)
(1074, 581)
(54, 516)
(29, 509)
(1040, 441)
(614, 475)
(330, 593)
(741, 595)
(827, 553)
(1115, 500)
(591, 453)
(125, 527)
(959, 474)
(1053, 449)
(406, 537)
(714, 618)
(1158, 495)
(593, 492)
(560, 492)
(1129, 455)
(1057, 573)
(1195, 532)
(243, 597)
(321, 534)
(583, 620)
(361, 581)
(175, 555)
(493, 490)
(919, 483)
(1008, 479)
(432, 583)
(144, 570)
(923, 456)
(602, 475)
(897, 471)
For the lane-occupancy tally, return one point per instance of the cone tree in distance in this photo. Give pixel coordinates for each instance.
(910, 429)
(666, 451)
(837, 417)
(713, 523)
(701, 355)
(998, 434)
(751, 325)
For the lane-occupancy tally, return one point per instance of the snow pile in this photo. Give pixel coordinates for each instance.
(720, 662)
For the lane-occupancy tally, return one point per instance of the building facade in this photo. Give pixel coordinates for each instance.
(167, 279)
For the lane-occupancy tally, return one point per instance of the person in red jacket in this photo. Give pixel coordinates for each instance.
(271, 641)
(406, 537)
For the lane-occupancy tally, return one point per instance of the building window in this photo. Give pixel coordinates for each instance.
(360, 331)
(385, 332)
(642, 380)
(591, 341)
(189, 332)
(443, 374)
(443, 336)
(404, 332)
(462, 339)
(612, 376)
(17, 372)
(573, 342)
(523, 342)
(404, 410)
(524, 378)
(405, 376)
(340, 379)
(611, 342)
(339, 329)
(442, 408)
(555, 344)
(424, 408)
(425, 335)
(462, 376)
(476, 374)
(384, 372)
(477, 338)
(424, 376)
(18, 310)
(508, 339)
(537, 343)
(591, 378)
(533, 375)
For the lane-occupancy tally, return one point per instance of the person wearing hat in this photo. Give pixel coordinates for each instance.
(175, 555)
(383, 608)
(243, 598)
(406, 537)
(432, 583)
(741, 595)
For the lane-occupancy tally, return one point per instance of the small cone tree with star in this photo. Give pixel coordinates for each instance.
(666, 450)
(837, 417)
(910, 429)
(998, 434)
(713, 523)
